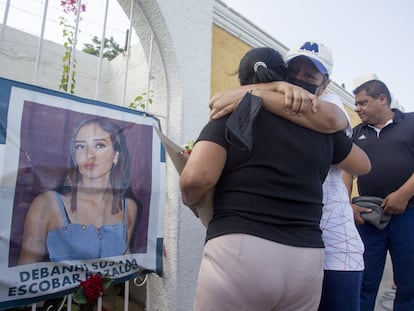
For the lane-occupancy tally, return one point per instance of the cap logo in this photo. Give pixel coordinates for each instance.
(311, 47)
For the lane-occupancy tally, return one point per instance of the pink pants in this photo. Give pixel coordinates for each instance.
(244, 272)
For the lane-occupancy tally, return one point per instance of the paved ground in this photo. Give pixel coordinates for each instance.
(386, 292)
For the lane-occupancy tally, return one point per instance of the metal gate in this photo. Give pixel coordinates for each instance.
(71, 25)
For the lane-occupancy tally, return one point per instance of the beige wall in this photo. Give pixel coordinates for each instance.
(227, 50)
(354, 116)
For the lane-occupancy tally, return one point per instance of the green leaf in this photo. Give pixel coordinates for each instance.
(107, 282)
(189, 146)
(79, 296)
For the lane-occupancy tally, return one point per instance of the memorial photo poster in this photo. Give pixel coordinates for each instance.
(82, 191)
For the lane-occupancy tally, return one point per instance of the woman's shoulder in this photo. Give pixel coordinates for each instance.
(45, 200)
(44, 205)
(131, 203)
(45, 196)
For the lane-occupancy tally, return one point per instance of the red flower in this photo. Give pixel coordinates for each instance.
(93, 287)
(188, 147)
(90, 290)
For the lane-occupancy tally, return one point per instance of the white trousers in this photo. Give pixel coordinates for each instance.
(244, 272)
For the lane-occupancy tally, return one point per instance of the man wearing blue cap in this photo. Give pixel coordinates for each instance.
(309, 66)
(315, 55)
(292, 100)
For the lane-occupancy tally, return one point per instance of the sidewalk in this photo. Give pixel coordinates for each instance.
(386, 293)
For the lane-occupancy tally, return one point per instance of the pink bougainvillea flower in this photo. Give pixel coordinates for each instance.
(70, 6)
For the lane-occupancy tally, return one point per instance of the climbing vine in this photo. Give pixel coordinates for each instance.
(70, 7)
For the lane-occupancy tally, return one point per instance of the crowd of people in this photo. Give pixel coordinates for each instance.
(281, 156)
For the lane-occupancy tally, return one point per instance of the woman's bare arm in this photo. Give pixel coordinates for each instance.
(131, 219)
(35, 230)
(348, 181)
(287, 101)
(201, 172)
(356, 163)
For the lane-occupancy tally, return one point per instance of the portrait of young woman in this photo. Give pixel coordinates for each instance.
(83, 207)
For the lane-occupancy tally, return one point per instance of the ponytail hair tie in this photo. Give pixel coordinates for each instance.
(257, 64)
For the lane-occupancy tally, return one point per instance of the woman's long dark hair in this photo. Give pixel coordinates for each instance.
(120, 175)
(261, 65)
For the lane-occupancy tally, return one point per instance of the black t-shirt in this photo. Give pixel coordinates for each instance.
(391, 154)
(275, 190)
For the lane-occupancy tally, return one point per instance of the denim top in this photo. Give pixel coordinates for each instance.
(75, 241)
